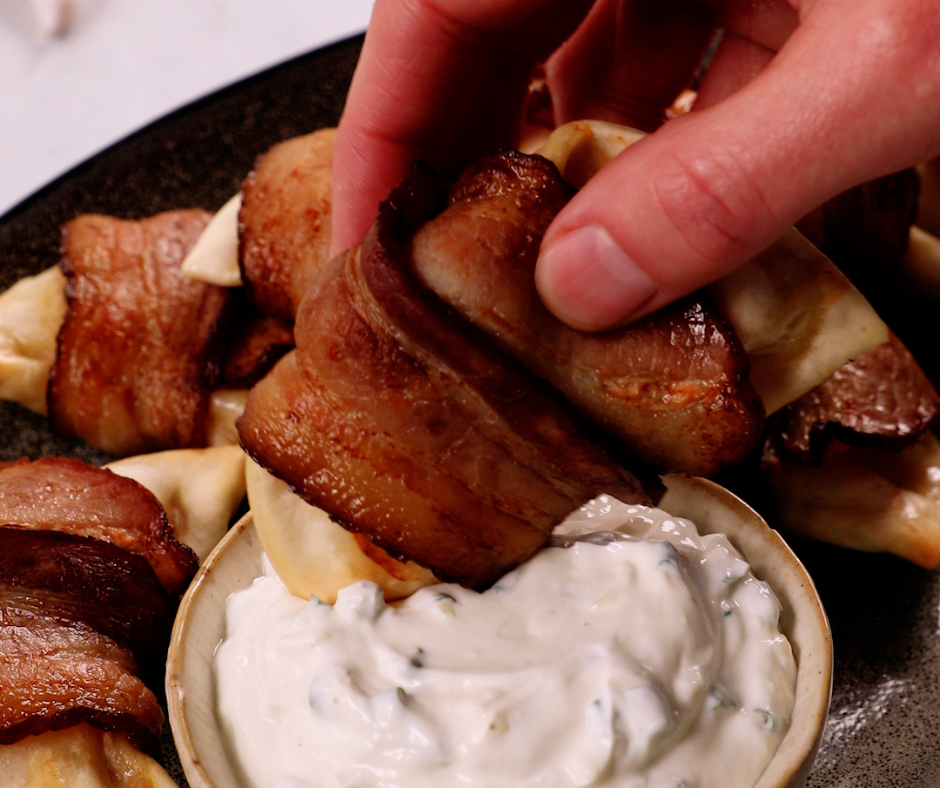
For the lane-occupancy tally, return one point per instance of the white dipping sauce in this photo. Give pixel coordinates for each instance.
(654, 661)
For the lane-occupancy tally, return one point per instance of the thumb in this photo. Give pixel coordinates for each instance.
(709, 190)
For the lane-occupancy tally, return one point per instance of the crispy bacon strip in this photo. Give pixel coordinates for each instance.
(81, 607)
(56, 674)
(882, 398)
(89, 581)
(407, 425)
(139, 350)
(673, 387)
(284, 222)
(62, 494)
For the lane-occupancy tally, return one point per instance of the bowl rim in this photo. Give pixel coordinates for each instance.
(190, 744)
(200, 741)
(803, 618)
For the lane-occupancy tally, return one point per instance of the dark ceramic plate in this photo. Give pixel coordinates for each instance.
(884, 729)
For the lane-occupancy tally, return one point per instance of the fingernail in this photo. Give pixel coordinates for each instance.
(589, 282)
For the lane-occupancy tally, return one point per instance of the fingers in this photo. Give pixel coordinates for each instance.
(629, 61)
(737, 62)
(445, 81)
(442, 82)
(767, 23)
(852, 95)
(631, 58)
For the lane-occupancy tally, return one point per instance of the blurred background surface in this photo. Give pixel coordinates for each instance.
(115, 66)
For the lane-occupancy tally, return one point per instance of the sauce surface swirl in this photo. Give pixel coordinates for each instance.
(649, 656)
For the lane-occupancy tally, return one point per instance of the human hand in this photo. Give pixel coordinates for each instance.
(802, 101)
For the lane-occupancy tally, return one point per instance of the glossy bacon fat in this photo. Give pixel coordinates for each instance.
(407, 425)
(87, 580)
(139, 350)
(82, 610)
(61, 494)
(673, 387)
(56, 674)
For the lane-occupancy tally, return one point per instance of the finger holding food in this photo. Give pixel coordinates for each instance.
(797, 316)
(401, 109)
(391, 408)
(674, 387)
(702, 194)
(711, 188)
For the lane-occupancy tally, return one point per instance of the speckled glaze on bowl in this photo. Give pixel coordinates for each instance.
(200, 626)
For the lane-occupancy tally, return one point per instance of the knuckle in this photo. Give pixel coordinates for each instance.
(715, 207)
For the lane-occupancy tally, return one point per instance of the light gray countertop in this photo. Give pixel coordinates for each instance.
(120, 65)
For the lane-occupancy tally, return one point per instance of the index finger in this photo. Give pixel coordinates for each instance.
(436, 80)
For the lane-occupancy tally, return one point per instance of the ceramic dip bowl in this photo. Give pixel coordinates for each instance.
(208, 761)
